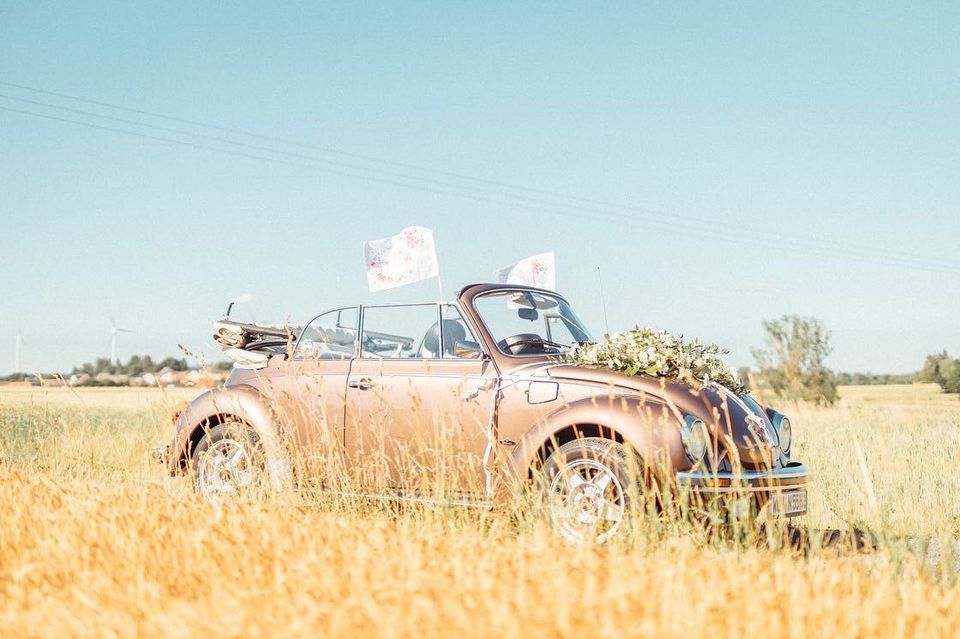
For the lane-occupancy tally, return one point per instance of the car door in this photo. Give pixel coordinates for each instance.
(419, 404)
(312, 398)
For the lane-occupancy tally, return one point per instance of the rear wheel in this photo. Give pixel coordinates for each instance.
(588, 488)
(228, 463)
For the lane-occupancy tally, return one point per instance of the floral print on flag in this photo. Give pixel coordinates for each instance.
(538, 270)
(407, 257)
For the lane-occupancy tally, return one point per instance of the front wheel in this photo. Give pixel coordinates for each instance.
(228, 463)
(588, 489)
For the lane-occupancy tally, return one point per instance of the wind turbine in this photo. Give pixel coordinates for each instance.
(114, 330)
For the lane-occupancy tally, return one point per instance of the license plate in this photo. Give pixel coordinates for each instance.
(787, 504)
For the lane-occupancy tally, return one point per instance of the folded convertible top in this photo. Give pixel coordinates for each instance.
(231, 334)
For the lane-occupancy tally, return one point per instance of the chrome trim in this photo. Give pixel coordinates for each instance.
(690, 422)
(356, 342)
(739, 490)
(729, 393)
(508, 287)
(756, 420)
(749, 481)
(473, 333)
(777, 421)
(362, 328)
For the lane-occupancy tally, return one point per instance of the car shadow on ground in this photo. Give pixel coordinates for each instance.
(805, 540)
(937, 555)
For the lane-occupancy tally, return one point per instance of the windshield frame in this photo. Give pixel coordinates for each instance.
(503, 291)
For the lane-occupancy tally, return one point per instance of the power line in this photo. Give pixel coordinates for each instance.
(242, 154)
(267, 149)
(281, 161)
(684, 231)
(652, 219)
(565, 198)
(321, 148)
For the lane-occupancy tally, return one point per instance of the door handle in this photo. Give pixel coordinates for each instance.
(364, 383)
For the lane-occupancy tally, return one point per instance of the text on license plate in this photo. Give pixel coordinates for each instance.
(787, 504)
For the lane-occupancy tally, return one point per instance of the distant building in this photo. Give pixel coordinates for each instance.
(21, 384)
(165, 377)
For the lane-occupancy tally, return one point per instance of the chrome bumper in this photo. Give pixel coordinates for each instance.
(791, 477)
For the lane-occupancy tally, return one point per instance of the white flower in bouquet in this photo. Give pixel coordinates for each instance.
(648, 351)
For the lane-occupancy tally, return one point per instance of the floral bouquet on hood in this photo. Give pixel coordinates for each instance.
(648, 351)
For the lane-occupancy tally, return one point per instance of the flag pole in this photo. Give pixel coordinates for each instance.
(440, 285)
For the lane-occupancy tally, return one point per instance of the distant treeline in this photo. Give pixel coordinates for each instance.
(939, 368)
(135, 366)
(872, 379)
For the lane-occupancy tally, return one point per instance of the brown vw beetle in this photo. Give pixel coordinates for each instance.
(467, 402)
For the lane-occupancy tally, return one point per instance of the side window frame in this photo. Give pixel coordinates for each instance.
(356, 341)
(363, 320)
(486, 330)
(471, 331)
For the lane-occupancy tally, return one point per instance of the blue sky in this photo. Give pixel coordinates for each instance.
(733, 163)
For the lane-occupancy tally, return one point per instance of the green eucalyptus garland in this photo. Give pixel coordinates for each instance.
(648, 351)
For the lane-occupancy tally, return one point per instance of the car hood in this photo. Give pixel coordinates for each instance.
(742, 430)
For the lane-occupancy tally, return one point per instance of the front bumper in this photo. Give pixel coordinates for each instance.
(793, 476)
(776, 493)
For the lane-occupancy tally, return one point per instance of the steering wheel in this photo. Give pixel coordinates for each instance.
(526, 343)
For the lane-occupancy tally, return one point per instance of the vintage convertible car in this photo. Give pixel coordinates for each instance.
(471, 402)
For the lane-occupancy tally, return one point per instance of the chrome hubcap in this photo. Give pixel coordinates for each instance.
(586, 501)
(225, 470)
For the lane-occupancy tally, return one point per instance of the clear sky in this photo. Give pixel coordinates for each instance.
(721, 163)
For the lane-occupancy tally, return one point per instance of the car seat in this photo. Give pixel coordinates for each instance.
(453, 332)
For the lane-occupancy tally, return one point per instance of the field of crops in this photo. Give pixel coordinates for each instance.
(95, 541)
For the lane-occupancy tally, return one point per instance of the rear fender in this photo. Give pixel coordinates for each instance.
(216, 406)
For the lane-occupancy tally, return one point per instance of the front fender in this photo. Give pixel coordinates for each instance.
(647, 424)
(211, 408)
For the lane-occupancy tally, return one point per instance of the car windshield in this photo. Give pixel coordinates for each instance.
(529, 323)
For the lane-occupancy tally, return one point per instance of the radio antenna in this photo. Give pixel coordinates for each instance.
(603, 302)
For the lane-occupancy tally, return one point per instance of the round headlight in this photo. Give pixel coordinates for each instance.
(693, 434)
(785, 432)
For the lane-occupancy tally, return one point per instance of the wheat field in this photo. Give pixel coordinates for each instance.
(95, 541)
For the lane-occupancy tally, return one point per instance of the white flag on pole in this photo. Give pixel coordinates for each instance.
(407, 257)
(538, 270)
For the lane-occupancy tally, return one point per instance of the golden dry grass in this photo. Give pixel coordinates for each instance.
(94, 541)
